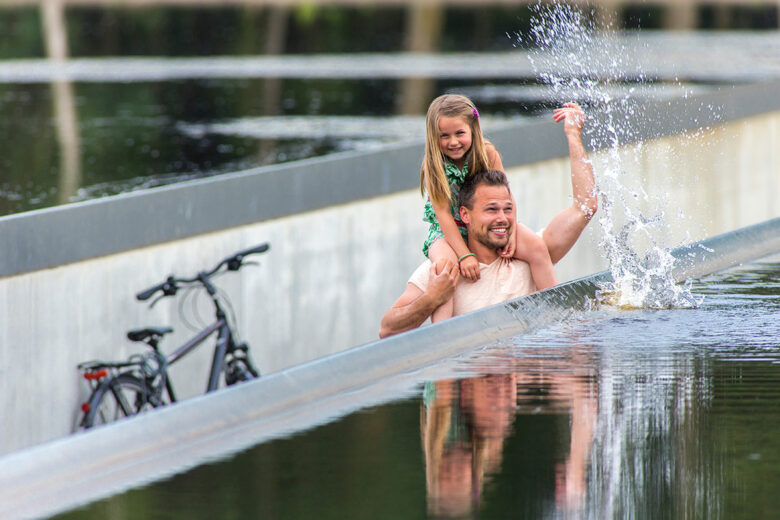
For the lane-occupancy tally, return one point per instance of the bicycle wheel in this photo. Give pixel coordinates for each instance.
(116, 398)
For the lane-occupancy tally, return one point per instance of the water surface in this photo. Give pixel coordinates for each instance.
(121, 125)
(614, 414)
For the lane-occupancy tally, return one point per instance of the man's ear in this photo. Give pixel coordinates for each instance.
(464, 215)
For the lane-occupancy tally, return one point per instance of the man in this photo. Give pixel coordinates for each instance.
(486, 209)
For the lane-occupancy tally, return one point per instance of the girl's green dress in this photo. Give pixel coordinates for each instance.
(455, 177)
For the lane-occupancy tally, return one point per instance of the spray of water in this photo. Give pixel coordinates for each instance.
(570, 54)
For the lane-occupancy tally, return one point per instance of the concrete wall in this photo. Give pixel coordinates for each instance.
(331, 271)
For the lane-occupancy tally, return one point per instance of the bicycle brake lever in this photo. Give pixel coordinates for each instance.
(154, 302)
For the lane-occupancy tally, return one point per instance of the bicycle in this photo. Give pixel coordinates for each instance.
(125, 388)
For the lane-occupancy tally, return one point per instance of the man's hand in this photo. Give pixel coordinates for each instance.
(415, 306)
(565, 228)
(573, 117)
(442, 285)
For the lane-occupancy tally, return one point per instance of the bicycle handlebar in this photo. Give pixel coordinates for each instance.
(233, 263)
(168, 287)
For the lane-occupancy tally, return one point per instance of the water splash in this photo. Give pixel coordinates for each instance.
(569, 53)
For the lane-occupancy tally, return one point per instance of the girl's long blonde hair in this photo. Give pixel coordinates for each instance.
(432, 176)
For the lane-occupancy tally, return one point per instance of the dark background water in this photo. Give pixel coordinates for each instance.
(615, 414)
(232, 30)
(130, 135)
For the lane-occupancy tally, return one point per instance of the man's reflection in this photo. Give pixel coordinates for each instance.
(464, 425)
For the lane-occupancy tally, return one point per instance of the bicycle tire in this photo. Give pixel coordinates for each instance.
(116, 398)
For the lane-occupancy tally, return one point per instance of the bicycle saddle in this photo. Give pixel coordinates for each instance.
(149, 332)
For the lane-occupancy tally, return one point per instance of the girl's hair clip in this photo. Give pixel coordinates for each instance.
(476, 114)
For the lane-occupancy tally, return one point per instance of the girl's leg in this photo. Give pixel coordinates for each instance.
(440, 253)
(531, 248)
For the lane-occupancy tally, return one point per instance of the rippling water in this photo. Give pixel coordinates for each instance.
(614, 414)
(97, 126)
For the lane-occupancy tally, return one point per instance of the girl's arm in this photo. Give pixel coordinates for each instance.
(494, 158)
(469, 266)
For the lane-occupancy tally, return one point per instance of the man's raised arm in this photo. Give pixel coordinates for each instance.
(415, 305)
(565, 227)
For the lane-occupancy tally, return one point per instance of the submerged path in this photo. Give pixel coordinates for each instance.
(733, 57)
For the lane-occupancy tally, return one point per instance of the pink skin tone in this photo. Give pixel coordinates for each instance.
(574, 117)
(490, 221)
(455, 140)
(415, 305)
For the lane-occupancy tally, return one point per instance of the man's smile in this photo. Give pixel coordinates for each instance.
(500, 231)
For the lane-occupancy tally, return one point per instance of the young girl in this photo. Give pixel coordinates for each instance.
(454, 149)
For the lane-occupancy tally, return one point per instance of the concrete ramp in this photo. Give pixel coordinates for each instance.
(84, 467)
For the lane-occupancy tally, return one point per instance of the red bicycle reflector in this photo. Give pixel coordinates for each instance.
(100, 374)
(85, 407)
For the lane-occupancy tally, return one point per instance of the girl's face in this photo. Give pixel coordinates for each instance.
(454, 138)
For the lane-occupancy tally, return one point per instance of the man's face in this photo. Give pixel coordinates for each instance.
(490, 221)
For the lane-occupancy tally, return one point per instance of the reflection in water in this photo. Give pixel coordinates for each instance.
(276, 35)
(69, 141)
(654, 451)
(638, 434)
(465, 423)
(425, 24)
(66, 120)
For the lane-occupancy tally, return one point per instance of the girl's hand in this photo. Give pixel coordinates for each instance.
(508, 251)
(469, 268)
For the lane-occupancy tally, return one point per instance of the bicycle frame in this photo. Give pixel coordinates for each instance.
(223, 342)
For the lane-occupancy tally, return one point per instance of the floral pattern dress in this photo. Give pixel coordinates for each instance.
(456, 177)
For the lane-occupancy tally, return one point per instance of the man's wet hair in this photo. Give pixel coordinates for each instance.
(472, 182)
